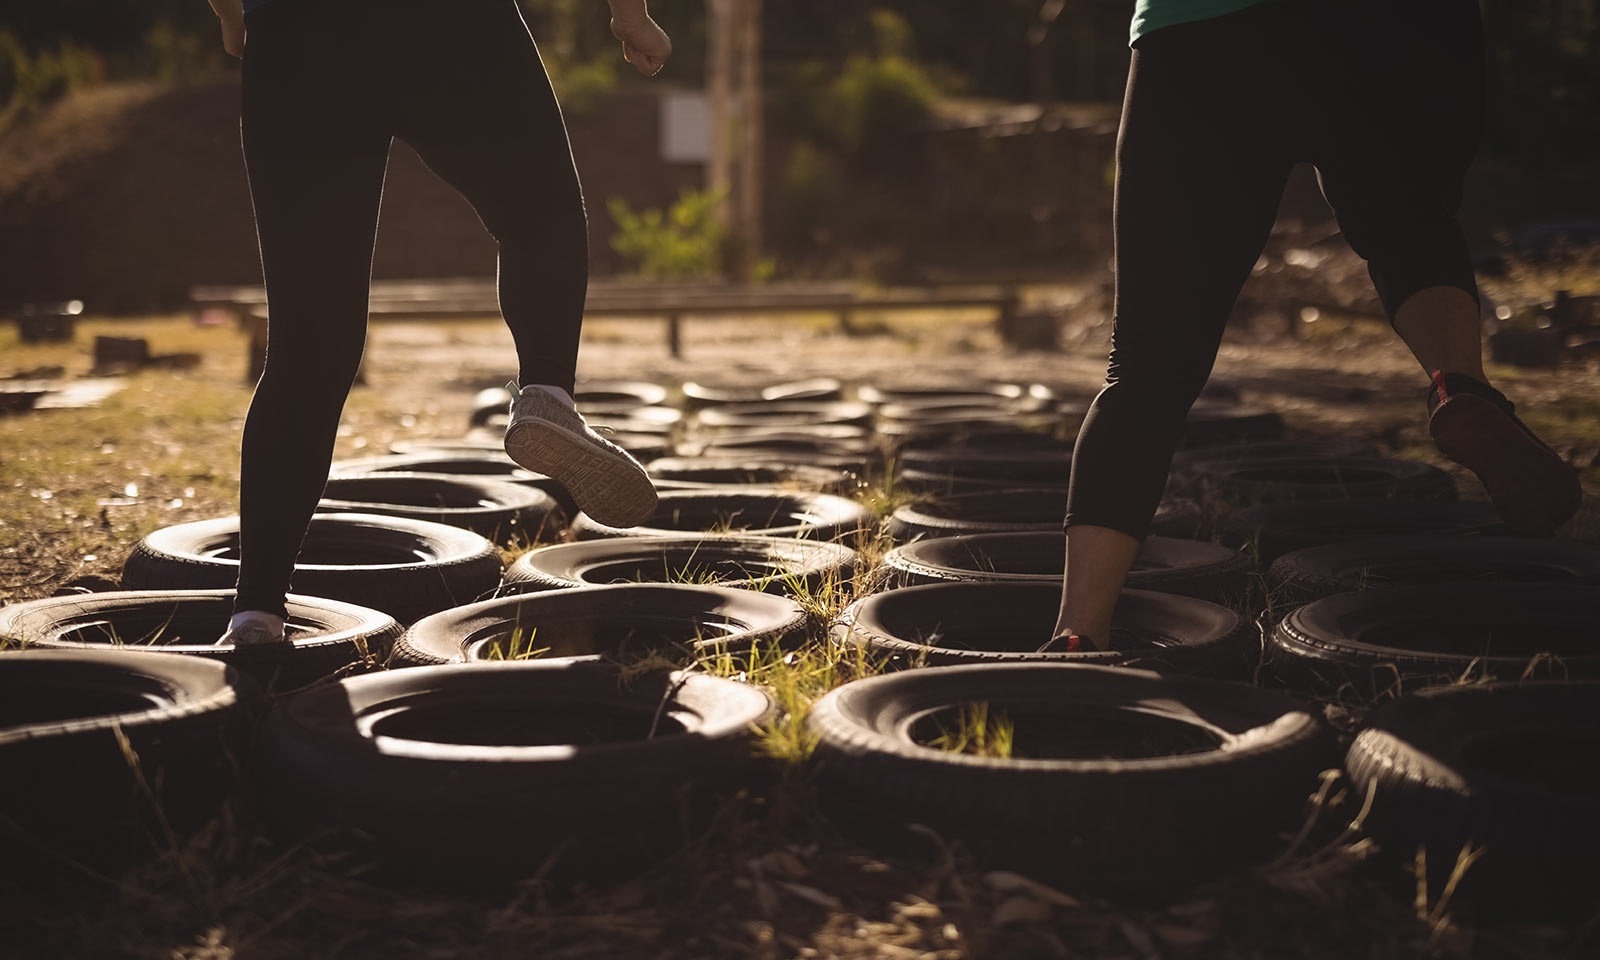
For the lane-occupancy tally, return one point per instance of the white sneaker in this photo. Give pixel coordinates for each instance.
(549, 437)
(250, 628)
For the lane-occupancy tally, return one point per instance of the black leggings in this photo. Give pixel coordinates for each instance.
(327, 85)
(1384, 98)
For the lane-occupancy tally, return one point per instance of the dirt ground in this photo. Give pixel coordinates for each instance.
(77, 489)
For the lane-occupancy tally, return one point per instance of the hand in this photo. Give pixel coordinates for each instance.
(233, 37)
(644, 43)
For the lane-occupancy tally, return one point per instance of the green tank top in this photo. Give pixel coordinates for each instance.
(1154, 14)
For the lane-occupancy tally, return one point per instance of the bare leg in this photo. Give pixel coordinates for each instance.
(1440, 325)
(1098, 560)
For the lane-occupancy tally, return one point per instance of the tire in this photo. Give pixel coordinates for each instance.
(911, 393)
(325, 636)
(525, 762)
(659, 419)
(1317, 572)
(1214, 424)
(990, 622)
(1325, 478)
(494, 464)
(405, 568)
(489, 403)
(1507, 767)
(1129, 782)
(1049, 462)
(768, 564)
(621, 622)
(925, 484)
(839, 459)
(1191, 568)
(1273, 529)
(750, 471)
(972, 428)
(768, 415)
(1007, 509)
(636, 392)
(770, 512)
(495, 508)
(1405, 638)
(819, 390)
(1012, 510)
(69, 720)
(1188, 466)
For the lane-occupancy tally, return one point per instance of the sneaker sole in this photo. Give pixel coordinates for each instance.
(611, 490)
(1534, 490)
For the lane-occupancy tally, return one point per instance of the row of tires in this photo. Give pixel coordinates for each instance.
(1112, 779)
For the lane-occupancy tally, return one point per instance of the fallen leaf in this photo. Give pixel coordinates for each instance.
(1004, 881)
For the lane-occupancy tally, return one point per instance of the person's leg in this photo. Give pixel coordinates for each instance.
(484, 118)
(316, 168)
(1397, 136)
(1199, 175)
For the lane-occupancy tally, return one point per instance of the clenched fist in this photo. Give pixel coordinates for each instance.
(644, 43)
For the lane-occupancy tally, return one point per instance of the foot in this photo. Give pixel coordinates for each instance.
(1473, 424)
(250, 628)
(547, 436)
(1071, 643)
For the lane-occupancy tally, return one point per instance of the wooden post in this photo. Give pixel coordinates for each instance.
(719, 98)
(675, 335)
(751, 129)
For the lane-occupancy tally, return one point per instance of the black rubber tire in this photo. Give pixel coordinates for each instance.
(911, 393)
(924, 484)
(863, 465)
(1324, 478)
(751, 471)
(644, 446)
(489, 403)
(405, 568)
(995, 509)
(994, 622)
(68, 720)
(1101, 812)
(525, 763)
(1273, 529)
(817, 390)
(637, 392)
(822, 436)
(1233, 453)
(1214, 424)
(1190, 568)
(971, 429)
(624, 621)
(497, 509)
(771, 513)
(325, 636)
(769, 564)
(1013, 510)
(494, 464)
(611, 414)
(1049, 462)
(1405, 638)
(1508, 767)
(1316, 572)
(736, 416)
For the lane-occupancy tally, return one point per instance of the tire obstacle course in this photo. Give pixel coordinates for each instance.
(1284, 575)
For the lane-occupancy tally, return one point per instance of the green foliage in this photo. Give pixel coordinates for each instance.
(578, 85)
(877, 102)
(683, 242)
(173, 54)
(32, 80)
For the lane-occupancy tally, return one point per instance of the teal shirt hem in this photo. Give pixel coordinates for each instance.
(1152, 15)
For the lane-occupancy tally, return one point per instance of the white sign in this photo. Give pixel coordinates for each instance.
(685, 128)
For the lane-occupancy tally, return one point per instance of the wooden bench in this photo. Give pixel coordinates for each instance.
(672, 302)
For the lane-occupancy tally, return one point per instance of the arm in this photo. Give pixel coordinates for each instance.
(644, 43)
(231, 14)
